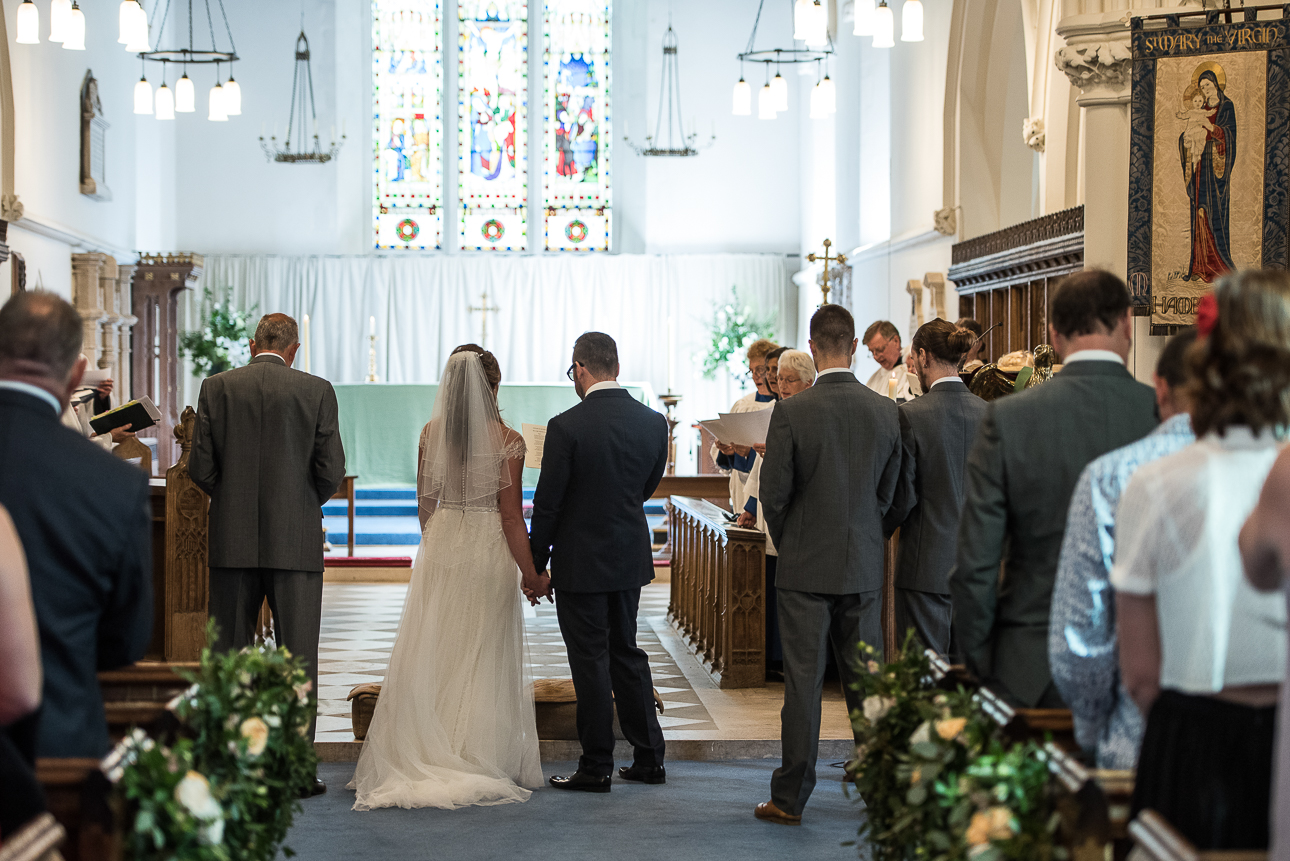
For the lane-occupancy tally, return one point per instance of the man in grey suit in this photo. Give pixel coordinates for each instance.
(831, 465)
(936, 431)
(1028, 455)
(267, 449)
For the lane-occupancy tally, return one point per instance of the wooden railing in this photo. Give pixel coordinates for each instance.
(718, 603)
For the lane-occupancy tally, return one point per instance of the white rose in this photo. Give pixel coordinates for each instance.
(256, 733)
(876, 707)
(923, 733)
(194, 793)
(214, 832)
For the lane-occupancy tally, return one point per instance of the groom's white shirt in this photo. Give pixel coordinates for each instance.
(607, 384)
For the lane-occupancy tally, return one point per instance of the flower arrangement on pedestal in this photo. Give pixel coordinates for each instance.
(221, 342)
(938, 780)
(228, 787)
(734, 327)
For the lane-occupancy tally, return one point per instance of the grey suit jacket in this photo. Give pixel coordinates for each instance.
(830, 471)
(267, 449)
(936, 432)
(1021, 472)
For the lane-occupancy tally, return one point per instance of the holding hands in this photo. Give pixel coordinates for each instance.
(537, 587)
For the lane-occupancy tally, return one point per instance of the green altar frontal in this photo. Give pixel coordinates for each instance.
(380, 423)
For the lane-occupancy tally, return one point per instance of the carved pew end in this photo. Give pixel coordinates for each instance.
(38, 840)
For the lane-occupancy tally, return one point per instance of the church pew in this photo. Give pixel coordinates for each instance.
(38, 840)
(718, 586)
(140, 695)
(1018, 724)
(77, 795)
(1156, 840)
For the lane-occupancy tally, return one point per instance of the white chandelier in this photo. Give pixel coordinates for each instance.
(810, 25)
(876, 19)
(66, 24)
(225, 97)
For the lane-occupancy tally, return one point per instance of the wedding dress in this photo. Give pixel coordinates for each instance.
(454, 724)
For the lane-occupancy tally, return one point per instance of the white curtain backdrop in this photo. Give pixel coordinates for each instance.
(420, 305)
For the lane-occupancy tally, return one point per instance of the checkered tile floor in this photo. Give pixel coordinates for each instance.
(360, 620)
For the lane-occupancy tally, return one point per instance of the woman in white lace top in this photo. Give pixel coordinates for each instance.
(1201, 651)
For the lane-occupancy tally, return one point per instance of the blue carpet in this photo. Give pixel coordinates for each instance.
(703, 812)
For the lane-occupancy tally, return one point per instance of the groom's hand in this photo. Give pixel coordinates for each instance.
(547, 591)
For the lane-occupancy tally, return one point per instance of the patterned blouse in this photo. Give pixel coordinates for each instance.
(1081, 632)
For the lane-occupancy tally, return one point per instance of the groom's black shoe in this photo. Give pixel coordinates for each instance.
(644, 773)
(314, 787)
(582, 782)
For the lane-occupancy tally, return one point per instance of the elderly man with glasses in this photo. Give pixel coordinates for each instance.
(892, 379)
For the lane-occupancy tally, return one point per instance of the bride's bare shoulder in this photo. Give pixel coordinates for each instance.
(511, 436)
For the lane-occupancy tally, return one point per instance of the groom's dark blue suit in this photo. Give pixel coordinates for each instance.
(602, 460)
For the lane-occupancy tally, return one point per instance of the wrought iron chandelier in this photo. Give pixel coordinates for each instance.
(669, 104)
(225, 96)
(298, 122)
(811, 26)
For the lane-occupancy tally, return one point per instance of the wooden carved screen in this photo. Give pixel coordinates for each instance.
(1005, 277)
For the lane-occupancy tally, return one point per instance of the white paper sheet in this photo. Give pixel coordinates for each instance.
(740, 428)
(535, 441)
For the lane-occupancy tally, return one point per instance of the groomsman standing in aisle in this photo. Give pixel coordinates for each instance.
(828, 479)
(267, 449)
(1023, 467)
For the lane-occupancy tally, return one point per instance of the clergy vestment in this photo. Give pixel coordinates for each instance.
(1028, 455)
(907, 386)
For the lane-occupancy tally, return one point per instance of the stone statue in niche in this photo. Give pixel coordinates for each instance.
(93, 141)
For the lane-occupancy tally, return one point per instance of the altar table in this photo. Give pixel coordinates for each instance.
(380, 423)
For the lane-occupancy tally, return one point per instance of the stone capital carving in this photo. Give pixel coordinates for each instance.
(1101, 69)
(946, 221)
(1033, 131)
(11, 208)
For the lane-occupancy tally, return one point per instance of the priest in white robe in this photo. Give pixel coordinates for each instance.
(892, 379)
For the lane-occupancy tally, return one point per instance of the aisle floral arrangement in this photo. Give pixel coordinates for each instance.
(734, 328)
(938, 781)
(229, 787)
(222, 342)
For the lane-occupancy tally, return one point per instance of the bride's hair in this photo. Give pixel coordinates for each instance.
(492, 371)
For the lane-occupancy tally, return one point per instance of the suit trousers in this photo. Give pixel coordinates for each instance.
(808, 623)
(599, 630)
(928, 613)
(295, 597)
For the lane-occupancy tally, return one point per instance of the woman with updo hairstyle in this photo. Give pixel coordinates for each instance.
(1202, 653)
(936, 433)
(492, 370)
(975, 356)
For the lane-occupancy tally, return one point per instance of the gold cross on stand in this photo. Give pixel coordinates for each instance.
(485, 309)
(837, 258)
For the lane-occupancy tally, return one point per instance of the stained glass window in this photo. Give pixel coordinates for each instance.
(408, 70)
(575, 156)
(493, 149)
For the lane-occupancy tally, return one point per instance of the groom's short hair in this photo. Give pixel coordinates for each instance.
(276, 332)
(596, 352)
(832, 330)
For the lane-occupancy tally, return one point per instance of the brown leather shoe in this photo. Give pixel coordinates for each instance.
(768, 811)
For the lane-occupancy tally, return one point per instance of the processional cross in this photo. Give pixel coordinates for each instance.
(839, 259)
(485, 309)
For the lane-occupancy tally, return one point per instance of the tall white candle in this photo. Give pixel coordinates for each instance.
(304, 341)
(671, 354)
(371, 325)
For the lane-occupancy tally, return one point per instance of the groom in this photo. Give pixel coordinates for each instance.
(602, 460)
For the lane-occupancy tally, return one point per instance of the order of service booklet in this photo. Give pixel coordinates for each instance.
(535, 441)
(139, 414)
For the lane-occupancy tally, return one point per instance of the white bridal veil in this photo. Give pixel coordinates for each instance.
(463, 462)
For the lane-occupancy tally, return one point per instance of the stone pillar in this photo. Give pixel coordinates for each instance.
(87, 297)
(157, 282)
(123, 325)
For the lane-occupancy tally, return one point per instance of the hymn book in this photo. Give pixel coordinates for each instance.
(139, 414)
(740, 428)
(535, 441)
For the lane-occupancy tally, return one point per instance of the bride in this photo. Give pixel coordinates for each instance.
(454, 723)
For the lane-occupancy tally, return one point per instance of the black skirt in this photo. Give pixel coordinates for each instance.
(1206, 766)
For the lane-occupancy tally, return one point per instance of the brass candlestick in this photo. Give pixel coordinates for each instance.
(670, 400)
(371, 361)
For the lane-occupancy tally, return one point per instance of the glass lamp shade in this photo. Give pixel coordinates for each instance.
(60, 13)
(884, 27)
(143, 97)
(217, 112)
(125, 21)
(828, 95)
(801, 18)
(817, 104)
(232, 98)
(165, 102)
(28, 24)
(185, 95)
(864, 18)
(138, 42)
(742, 99)
(75, 32)
(817, 31)
(911, 21)
(779, 90)
(765, 104)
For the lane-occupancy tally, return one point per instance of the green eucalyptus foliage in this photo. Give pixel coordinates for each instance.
(221, 342)
(734, 327)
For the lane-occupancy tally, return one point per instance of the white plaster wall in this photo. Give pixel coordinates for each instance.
(740, 195)
(49, 262)
(46, 87)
